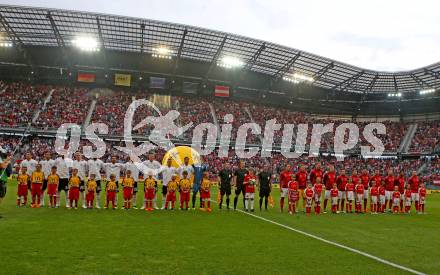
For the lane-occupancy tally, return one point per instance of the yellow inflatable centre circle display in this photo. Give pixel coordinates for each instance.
(179, 153)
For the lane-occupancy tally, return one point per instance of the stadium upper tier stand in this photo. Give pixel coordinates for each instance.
(48, 107)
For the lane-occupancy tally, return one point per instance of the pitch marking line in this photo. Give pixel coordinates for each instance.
(335, 244)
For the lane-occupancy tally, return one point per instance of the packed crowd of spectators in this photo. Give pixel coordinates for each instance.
(19, 102)
(67, 105)
(426, 138)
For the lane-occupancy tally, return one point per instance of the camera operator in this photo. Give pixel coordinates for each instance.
(5, 171)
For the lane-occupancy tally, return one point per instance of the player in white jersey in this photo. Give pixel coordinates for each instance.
(114, 168)
(46, 167)
(167, 173)
(95, 166)
(81, 165)
(154, 165)
(186, 167)
(63, 165)
(29, 163)
(133, 168)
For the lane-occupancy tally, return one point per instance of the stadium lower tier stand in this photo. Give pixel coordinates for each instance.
(50, 106)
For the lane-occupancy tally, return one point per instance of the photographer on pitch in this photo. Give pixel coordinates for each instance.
(5, 171)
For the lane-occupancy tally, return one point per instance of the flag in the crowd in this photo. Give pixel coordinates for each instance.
(190, 87)
(221, 91)
(157, 82)
(123, 80)
(86, 77)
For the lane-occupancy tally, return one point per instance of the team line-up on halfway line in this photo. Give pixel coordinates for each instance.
(52, 176)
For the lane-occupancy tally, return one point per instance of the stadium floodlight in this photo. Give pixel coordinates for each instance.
(230, 62)
(298, 78)
(395, 94)
(162, 52)
(5, 44)
(86, 43)
(427, 91)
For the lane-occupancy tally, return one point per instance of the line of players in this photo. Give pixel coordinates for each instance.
(393, 192)
(384, 191)
(53, 176)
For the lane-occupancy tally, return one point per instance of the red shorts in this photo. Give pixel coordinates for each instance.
(74, 193)
(205, 194)
(90, 196)
(22, 190)
(111, 195)
(36, 189)
(149, 194)
(293, 196)
(171, 196)
(52, 189)
(128, 193)
(184, 196)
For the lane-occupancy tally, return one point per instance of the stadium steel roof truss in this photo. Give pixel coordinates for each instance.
(27, 26)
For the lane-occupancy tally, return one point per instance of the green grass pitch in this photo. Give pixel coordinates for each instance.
(53, 241)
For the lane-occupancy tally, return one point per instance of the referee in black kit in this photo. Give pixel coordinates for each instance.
(225, 177)
(265, 183)
(238, 182)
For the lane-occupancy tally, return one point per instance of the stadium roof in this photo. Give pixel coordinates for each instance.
(29, 26)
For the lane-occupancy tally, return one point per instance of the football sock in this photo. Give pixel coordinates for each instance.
(235, 202)
(227, 202)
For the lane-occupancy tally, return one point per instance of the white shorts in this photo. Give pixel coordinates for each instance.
(407, 201)
(388, 195)
(309, 202)
(350, 195)
(249, 195)
(334, 201)
(366, 193)
(422, 200)
(396, 202)
(327, 195)
(359, 197)
(382, 199)
(341, 195)
(317, 198)
(415, 196)
(374, 199)
(283, 192)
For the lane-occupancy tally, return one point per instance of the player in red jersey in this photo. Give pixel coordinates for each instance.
(414, 185)
(301, 177)
(349, 196)
(389, 189)
(293, 194)
(365, 180)
(316, 173)
(396, 199)
(341, 181)
(328, 180)
(250, 180)
(422, 198)
(407, 196)
(334, 193)
(285, 177)
(317, 188)
(355, 179)
(381, 197)
(309, 194)
(374, 193)
(360, 192)
(377, 178)
(400, 182)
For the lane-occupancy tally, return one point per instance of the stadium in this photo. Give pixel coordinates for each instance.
(252, 208)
